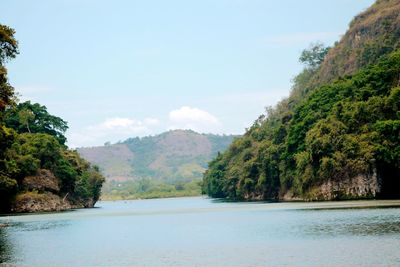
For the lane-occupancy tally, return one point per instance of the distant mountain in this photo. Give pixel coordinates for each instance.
(173, 156)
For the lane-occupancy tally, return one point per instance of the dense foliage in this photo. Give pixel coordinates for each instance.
(342, 129)
(32, 140)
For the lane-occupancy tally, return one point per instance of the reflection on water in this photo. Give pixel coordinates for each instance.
(5, 251)
(203, 232)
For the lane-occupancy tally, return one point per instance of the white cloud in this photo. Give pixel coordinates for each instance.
(112, 129)
(195, 119)
(188, 114)
(301, 37)
(121, 128)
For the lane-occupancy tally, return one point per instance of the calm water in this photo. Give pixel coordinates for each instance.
(202, 232)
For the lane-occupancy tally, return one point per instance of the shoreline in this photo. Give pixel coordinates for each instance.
(310, 205)
(273, 205)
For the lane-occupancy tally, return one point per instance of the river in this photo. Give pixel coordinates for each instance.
(204, 232)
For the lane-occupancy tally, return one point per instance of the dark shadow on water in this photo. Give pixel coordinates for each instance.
(39, 225)
(36, 213)
(347, 228)
(5, 246)
(45, 212)
(225, 200)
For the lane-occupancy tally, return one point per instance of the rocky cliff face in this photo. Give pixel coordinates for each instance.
(358, 187)
(40, 202)
(362, 186)
(41, 193)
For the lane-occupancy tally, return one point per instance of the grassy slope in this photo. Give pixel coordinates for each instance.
(373, 33)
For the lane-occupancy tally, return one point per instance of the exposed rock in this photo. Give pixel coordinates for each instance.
(42, 195)
(44, 180)
(36, 202)
(290, 196)
(89, 203)
(360, 186)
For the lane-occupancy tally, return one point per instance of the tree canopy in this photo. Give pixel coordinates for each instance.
(34, 118)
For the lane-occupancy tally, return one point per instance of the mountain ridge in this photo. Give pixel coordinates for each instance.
(174, 155)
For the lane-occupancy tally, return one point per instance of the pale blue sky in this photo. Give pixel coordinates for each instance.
(118, 69)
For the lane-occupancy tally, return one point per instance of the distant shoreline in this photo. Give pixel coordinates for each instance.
(116, 198)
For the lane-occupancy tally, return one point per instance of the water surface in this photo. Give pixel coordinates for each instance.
(203, 232)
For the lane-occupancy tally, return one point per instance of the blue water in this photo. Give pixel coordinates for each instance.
(203, 232)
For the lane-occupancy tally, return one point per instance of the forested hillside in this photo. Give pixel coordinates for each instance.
(337, 136)
(173, 155)
(37, 170)
(168, 164)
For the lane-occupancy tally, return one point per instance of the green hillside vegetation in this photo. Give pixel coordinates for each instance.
(37, 171)
(175, 155)
(164, 165)
(335, 136)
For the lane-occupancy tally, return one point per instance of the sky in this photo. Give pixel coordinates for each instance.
(115, 69)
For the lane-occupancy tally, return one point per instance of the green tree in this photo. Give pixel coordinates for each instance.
(314, 55)
(8, 50)
(34, 118)
(8, 44)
